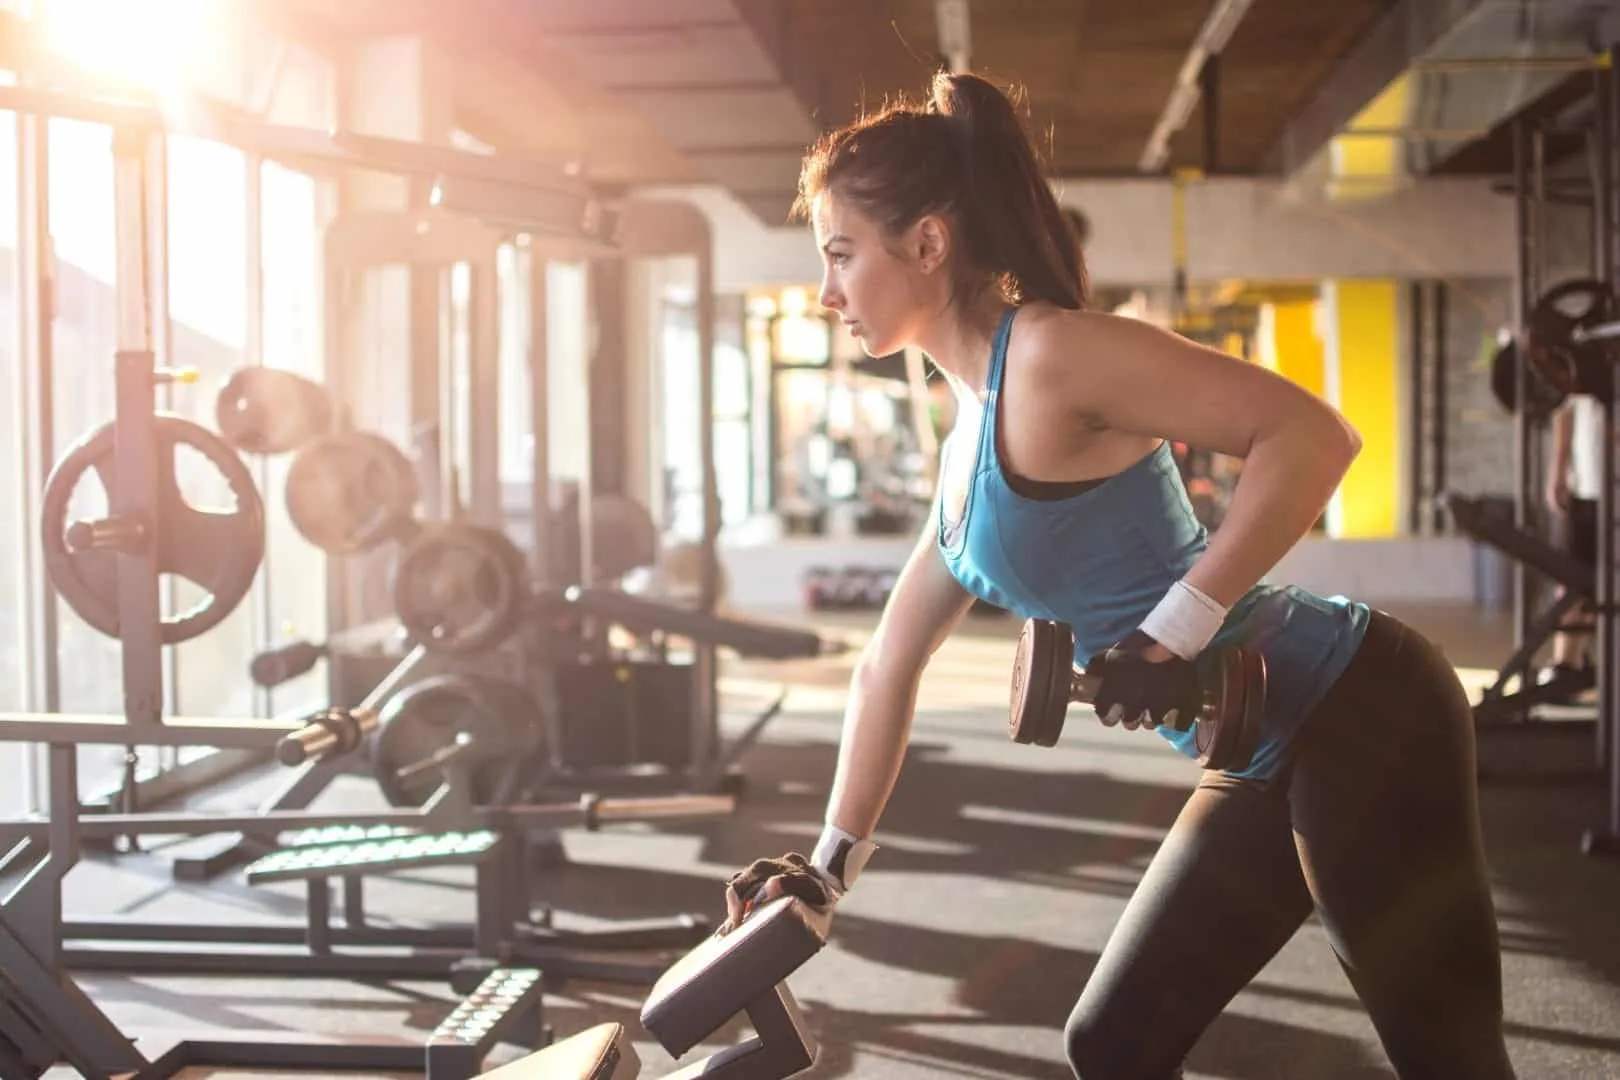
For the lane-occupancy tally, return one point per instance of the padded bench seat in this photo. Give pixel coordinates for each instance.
(599, 1053)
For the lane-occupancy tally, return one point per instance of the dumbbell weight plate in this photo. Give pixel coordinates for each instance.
(263, 410)
(1229, 742)
(460, 588)
(499, 720)
(1040, 682)
(350, 491)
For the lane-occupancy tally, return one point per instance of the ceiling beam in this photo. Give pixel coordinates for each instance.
(1405, 32)
(1207, 45)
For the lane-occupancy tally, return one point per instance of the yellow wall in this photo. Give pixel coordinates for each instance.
(1296, 346)
(1362, 317)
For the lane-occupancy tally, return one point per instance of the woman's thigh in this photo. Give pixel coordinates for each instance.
(1385, 808)
(1223, 893)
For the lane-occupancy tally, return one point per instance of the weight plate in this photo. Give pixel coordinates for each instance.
(218, 550)
(1568, 367)
(1543, 398)
(623, 537)
(350, 491)
(494, 723)
(460, 588)
(263, 410)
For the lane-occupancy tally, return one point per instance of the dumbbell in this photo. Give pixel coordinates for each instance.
(1045, 681)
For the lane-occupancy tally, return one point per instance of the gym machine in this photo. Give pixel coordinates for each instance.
(455, 733)
(1566, 343)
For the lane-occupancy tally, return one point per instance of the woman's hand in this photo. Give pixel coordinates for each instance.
(767, 879)
(1144, 684)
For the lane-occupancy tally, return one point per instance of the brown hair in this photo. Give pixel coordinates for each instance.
(963, 154)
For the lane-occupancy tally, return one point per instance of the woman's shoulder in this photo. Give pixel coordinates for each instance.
(1045, 335)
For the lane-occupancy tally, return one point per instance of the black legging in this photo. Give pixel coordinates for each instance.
(1374, 824)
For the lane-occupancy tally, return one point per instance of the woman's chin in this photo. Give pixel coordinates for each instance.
(873, 347)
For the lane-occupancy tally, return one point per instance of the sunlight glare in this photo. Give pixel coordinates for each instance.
(152, 44)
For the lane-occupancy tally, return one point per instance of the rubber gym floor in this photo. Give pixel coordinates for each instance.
(1003, 870)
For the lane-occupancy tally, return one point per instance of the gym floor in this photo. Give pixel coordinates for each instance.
(1003, 870)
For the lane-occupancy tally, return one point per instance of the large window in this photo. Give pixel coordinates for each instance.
(294, 577)
(14, 534)
(567, 357)
(84, 337)
(208, 332)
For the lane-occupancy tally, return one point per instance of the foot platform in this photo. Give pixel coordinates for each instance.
(505, 1007)
(380, 855)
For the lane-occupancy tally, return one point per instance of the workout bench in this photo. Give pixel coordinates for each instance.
(1579, 583)
(744, 971)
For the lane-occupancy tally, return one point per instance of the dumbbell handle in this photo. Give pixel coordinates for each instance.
(1082, 687)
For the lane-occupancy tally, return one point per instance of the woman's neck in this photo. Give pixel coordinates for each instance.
(959, 341)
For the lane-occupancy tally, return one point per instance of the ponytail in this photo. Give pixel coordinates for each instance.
(1013, 224)
(964, 154)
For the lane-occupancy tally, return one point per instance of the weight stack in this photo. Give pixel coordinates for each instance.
(621, 713)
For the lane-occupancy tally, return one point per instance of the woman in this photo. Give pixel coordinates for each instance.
(1059, 499)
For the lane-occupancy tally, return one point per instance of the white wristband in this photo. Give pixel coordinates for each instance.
(1184, 621)
(841, 854)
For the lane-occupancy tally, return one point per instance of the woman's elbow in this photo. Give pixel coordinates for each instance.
(1346, 440)
(1334, 439)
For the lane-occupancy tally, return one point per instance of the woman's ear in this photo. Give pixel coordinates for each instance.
(933, 242)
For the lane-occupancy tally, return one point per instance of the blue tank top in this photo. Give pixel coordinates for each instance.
(1101, 559)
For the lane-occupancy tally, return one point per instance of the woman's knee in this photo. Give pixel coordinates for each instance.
(1098, 1049)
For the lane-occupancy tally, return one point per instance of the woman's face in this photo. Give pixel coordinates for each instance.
(881, 287)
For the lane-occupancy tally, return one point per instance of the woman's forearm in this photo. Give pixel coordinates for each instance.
(871, 749)
(1287, 480)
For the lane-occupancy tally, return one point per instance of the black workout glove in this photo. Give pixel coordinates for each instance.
(1135, 690)
(814, 886)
